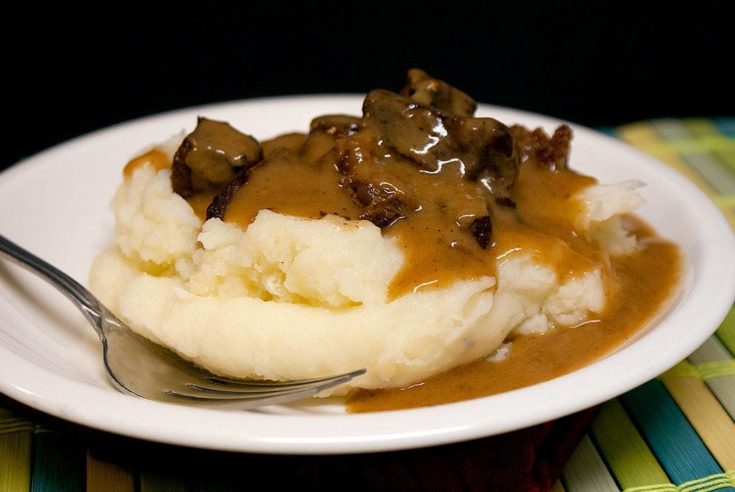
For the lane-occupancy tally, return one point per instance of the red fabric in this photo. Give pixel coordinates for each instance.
(530, 459)
(526, 460)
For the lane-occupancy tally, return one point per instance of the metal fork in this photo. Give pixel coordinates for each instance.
(142, 368)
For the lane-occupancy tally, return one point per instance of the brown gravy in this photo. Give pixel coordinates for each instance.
(294, 179)
(300, 176)
(155, 158)
(646, 281)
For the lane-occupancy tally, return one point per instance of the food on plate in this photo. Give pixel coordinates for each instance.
(413, 240)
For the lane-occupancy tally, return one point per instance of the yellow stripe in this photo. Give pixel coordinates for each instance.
(725, 201)
(705, 413)
(694, 145)
(626, 453)
(15, 461)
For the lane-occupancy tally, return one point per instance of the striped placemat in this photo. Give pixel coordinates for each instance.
(675, 433)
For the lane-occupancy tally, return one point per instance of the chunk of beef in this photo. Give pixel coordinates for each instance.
(221, 200)
(434, 92)
(481, 147)
(552, 152)
(380, 196)
(337, 125)
(211, 156)
(382, 203)
(482, 229)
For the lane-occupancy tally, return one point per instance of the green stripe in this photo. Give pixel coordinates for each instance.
(701, 127)
(726, 155)
(684, 370)
(666, 487)
(705, 371)
(586, 471)
(626, 453)
(726, 331)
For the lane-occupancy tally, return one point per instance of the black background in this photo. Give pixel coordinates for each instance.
(68, 71)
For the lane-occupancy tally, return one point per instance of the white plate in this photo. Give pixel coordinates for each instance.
(56, 205)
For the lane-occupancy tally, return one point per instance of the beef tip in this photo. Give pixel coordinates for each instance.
(212, 156)
(292, 141)
(406, 127)
(501, 167)
(221, 200)
(551, 152)
(506, 202)
(181, 179)
(482, 229)
(337, 125)
(381, 197)
(382, 203)
(483, 147)
(428, 91)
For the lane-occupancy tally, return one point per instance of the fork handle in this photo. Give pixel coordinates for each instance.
(82, 298)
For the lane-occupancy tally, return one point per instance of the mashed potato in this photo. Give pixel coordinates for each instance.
(291, 298)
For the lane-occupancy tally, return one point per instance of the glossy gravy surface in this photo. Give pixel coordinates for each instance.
(300, 177)
(645, 281)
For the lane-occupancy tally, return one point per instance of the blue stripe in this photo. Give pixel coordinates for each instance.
(669, 434)
(59, 463)
(725, 125)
